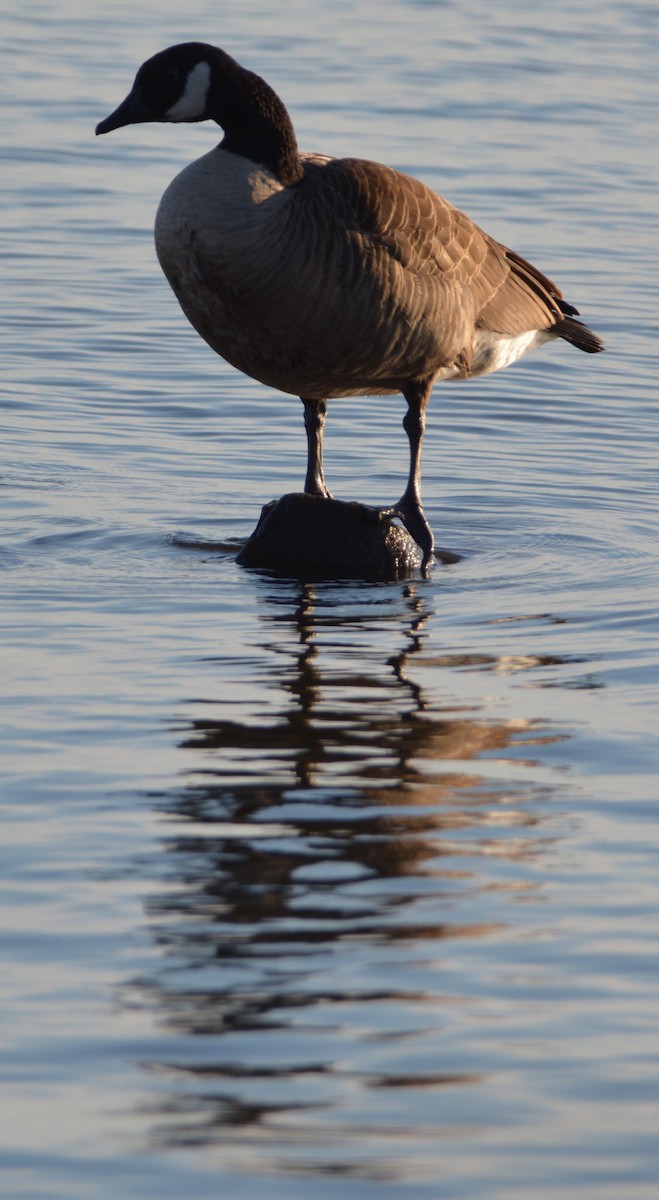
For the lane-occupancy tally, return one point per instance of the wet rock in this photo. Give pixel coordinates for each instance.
(330, 538)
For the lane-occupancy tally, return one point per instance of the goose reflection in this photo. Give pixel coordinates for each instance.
(327, 853)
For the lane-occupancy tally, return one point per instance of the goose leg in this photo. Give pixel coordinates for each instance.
(409, 507)
(315, 412)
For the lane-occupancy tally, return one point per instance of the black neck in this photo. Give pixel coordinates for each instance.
(255, 122)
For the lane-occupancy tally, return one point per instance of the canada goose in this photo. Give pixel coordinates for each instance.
(330, 277)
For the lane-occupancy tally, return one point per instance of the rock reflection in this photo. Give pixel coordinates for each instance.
(326, 855)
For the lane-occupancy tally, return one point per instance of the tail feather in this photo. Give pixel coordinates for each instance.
(565, 325)
(578, 335)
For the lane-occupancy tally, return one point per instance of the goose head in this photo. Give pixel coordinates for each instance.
(198, 82)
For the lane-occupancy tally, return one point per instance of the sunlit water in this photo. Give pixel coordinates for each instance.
(334, 889)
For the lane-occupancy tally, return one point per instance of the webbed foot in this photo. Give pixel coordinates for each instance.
(411, 513)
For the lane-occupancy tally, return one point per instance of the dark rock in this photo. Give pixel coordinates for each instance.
(330, 538)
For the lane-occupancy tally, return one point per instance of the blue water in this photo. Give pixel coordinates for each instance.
(329, 889)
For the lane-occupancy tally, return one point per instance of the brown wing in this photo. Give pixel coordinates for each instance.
(437, 244)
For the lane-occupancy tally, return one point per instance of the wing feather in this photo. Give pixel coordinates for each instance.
(443, 250)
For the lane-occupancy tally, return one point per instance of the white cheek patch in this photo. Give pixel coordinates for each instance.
(192, 104)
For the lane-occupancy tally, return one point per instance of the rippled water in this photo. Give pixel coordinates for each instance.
(329, 889)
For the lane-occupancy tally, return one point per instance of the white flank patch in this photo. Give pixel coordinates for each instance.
(493, 351)
(192, 104)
